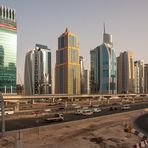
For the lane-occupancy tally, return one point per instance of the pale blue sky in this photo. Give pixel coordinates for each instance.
(43, 21)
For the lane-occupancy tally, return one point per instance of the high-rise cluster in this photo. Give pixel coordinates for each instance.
(108, 74)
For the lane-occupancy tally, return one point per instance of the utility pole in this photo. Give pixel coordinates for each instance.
(2, 114)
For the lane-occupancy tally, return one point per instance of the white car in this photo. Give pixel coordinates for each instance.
(87, 112)
(79, 112)
(77, 107)
(125, 107)
(96, 110)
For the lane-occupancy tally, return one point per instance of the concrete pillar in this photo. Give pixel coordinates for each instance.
(17, 106)
(90, 102)
(108, 100)
(72, 99)
(66, 104)
(53, 100)
(6, 104)
(133, 100)
(33, 101)
(122, 99)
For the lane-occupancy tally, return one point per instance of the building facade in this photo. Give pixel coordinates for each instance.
(67, 68)
(139, 76)
(86, 77)
(146, 78)
(83, 77)
(125, 73)
(103, 67)
(37, 76)
(8, 50)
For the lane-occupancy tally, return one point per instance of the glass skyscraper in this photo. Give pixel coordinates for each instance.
(103, 77)
(8, 49)
(67, 69)
(37, 73)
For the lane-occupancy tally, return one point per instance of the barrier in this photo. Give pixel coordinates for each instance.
(144, 138)
(141, 144)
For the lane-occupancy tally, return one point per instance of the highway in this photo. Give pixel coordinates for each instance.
(40, 121)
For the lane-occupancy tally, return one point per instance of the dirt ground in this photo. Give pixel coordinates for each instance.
(101, 132)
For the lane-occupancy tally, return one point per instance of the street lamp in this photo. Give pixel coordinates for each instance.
(2, 114)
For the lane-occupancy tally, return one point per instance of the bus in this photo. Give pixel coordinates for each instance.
(8, 111)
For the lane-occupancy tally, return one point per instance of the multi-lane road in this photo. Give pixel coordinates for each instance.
(40, 121)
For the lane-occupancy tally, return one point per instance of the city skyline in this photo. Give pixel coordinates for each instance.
(123, 21)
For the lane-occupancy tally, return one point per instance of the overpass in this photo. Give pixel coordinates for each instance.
(11, 97)
(17, 99)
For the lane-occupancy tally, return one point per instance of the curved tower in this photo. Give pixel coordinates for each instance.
(103, 76)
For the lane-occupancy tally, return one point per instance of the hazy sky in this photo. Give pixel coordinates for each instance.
(43, 21)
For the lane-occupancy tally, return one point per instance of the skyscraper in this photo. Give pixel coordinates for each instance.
(139, 76)
(125, 73)
(8, 49)
(67, 68)
(86, 77)
(146, 78)
(37, 76)
(103, 67)
(83, 77)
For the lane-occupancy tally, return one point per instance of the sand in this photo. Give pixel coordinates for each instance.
(101, 132)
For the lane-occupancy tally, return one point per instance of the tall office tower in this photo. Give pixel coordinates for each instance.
(37, 76)
(139, 76)
(8, 49)
(83, 76)
(86, 81)
(146, 78)
(67, 68)
(103, 67)
(125, 73)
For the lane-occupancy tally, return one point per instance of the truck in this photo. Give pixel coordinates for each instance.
(56, 117)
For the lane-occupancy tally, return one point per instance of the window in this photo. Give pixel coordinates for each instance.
(61, 57)
(73, 55)
(72, 41)
(62, 45)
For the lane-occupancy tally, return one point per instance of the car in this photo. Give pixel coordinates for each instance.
(126, 107)
(87, 112)
(56, 117)
(79, 112)
(96, 110)
(61, 108)
(47, 110)
(77, 106)
(113, 108)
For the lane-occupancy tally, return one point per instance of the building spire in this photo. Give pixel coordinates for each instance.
(104, 27)
(66, 30)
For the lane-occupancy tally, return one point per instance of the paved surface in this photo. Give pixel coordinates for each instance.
(142, 123)
(40, 121)
(100, 132)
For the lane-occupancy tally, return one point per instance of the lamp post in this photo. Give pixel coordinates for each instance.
(2, 114)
